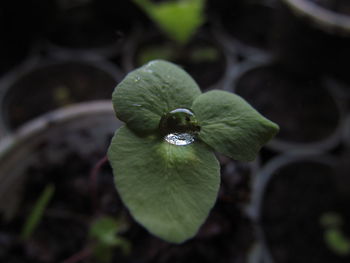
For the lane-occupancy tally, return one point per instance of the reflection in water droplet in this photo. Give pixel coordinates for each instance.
(180, 138)
(179, 121)
(179, 126)
(182, 111)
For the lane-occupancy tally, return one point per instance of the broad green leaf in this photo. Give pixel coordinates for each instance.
(231, 126)
(179, 19)
(147, 93)
(168, 189)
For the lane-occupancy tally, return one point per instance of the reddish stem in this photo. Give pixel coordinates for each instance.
(93, 180)
(79, 256)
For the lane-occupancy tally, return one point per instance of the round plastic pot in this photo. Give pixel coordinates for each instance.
(309, 115)
(42, 85)
(58, 148)
(292, 194)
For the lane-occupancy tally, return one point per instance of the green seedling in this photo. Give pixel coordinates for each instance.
(163, 157)
(178, 19)
(205, 54)
(37, 213)
(333, 235)
(105, 234)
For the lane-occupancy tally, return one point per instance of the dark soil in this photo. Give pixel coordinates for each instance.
(206, 72)
(225, 237)
(296, 198)
(53, 86)
(340, 6)
(303, 108)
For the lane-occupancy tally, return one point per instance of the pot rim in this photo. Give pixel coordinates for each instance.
(47, 120)
(346, 132)
(330, 20)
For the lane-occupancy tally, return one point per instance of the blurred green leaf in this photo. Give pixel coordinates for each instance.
(179, 19)
(37, 213)
(333, 236)
(105, 232)
(337, 242)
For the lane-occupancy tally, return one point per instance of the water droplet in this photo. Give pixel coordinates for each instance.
(179, 126)
(181, 139)
(148, 70)
(137, 79)
(136, 105)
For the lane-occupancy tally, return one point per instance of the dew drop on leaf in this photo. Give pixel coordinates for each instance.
(179, 127)
(181, 139)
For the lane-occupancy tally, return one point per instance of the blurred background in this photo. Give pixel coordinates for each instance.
(60, 60)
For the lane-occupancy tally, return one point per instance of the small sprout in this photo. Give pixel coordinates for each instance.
(168, 51)
(163, 157)
(62, 96)
(333, 235)
(105, 233)
(179, 19)
(37, 213)
(205, 54)
(149, 53)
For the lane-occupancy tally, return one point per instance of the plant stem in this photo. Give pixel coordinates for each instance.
(81, 255)
(93, 180)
